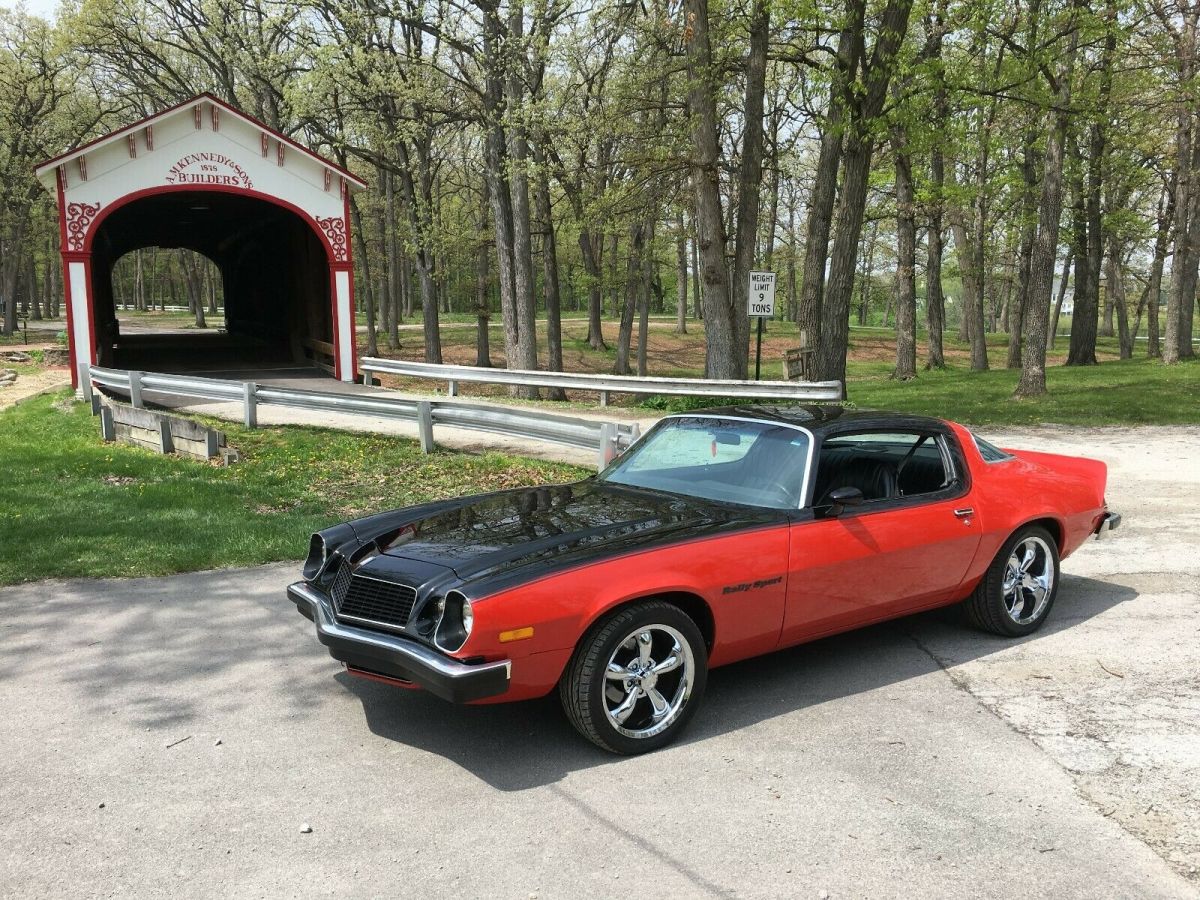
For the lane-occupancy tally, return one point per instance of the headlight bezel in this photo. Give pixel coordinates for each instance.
(455, 622)
(318, 555)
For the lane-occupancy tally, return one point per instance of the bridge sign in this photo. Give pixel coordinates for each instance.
(762, 294)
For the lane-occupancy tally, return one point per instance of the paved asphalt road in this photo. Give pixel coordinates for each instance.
(170, 737)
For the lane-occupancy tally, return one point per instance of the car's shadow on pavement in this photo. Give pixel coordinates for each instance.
(523, 745)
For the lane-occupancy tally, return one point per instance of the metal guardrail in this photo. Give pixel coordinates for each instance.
(605, 384)
(608, 439)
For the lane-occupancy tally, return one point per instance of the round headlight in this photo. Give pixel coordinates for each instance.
(468, 616)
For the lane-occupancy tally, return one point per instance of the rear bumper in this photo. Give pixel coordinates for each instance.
(1110, 521)
(399, 657)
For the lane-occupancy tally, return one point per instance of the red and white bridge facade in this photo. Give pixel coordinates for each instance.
(272, 214)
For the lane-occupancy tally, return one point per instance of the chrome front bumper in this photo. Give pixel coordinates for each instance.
(399, 657)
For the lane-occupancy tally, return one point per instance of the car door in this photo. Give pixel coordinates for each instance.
(906, 547)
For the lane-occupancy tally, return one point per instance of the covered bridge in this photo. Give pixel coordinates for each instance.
(273, 216)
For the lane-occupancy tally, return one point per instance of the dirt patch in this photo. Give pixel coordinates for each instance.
(31, 384)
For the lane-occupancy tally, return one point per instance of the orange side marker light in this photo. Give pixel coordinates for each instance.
(516, 634)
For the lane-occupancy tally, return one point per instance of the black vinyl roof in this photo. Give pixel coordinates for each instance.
(818, 418)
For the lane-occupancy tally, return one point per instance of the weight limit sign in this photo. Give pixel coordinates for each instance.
(761, 307)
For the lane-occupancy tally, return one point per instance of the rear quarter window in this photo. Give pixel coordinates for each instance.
(989, 451)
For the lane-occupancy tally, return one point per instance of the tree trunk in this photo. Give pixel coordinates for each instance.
(722, 350)
(1045, 248)
(497, 93)
(830, 357)
(31, 281)
(1086, 317)
(1016, 312)
(395, 281)
(793, 298)
(681, 275)
(550, 286)
(1186, 255)
(1154, 285)
(650, 281)
(614, 280)
(483, 312)
(865, 282)
(964, 249)
(191, 273)
(633, 291)
(1052, 332)
(8, 283)
(139, 284)
(749, 180)
(1117, 299)
(976, 324)
(416, 186)
(589, 245)
(823, 194)
(523, 278)
(906, 259)
(935, 303)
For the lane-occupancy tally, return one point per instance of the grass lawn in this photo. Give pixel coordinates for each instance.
(72, 506)
(1118, 392)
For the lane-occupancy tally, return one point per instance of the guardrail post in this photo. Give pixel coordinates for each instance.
(451, 388)
(250, 400)
(166, 443)
(608, 445)
(604, 398)
(108, 431)
(85, 382)
(425, 425)
(135, 389)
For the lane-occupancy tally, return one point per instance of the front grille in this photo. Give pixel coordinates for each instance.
(377, 601)
(341, 583)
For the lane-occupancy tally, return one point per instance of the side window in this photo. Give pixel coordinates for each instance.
(883, 465)
(990, 452)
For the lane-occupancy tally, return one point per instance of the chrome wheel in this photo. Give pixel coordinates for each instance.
(1028, 580)
(648, 680)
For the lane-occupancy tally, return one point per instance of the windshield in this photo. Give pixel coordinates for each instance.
(731, 460)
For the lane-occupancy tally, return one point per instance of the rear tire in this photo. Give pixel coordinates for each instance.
(1018, 590)
(636, 678)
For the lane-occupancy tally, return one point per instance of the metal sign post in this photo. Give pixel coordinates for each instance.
(762, 306)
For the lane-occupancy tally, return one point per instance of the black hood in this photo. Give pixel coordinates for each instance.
(522, 534)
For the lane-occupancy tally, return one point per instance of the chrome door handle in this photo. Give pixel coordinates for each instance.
(964, 512)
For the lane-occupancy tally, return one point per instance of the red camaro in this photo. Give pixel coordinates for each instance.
(720, 535)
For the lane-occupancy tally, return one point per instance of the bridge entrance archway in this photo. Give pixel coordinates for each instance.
(271, 215)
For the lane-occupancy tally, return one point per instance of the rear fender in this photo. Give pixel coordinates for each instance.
(1090, 473)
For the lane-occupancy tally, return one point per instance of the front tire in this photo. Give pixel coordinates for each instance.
(636, 678)
(1017, 591)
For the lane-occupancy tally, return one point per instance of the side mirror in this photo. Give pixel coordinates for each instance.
(840, 498)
